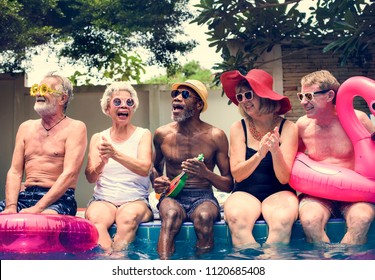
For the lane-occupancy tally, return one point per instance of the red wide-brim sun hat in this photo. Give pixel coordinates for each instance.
(260, 81)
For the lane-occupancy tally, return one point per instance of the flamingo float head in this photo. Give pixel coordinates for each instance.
(363, 141)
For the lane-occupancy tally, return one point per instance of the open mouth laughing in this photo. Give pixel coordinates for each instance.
(177, 107)
(123, 114)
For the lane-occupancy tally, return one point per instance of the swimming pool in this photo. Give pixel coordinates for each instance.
(144, 247)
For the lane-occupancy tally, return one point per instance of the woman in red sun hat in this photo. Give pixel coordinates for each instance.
(263, 146)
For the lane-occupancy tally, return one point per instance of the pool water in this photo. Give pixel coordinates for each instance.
(298, 249)
(144, 247)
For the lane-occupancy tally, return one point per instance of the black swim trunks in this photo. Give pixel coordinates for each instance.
(190, 199)
(66, 205)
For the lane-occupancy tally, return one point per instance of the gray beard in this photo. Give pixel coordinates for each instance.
(186, 115)
(46, 109)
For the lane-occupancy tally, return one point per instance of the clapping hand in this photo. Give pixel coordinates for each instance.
(106, 150)
(269, 142)
(273, 140)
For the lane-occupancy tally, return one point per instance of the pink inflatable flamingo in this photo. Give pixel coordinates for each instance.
(332, 182)
(364, 145)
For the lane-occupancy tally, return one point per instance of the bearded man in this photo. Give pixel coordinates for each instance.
(177, 146)
(48, 154)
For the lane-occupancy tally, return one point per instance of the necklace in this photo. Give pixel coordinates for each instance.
(255, 133)
(48, 129)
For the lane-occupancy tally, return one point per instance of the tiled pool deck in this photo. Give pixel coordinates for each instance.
(149, 231)
(336, 229)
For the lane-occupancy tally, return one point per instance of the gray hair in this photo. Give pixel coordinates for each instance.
(114, 87)
(65, 86)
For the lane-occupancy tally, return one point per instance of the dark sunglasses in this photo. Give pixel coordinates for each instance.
(185, 93)
(117, 102)
(310, 95)
(249, 95)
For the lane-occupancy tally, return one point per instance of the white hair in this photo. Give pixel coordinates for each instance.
(114, 87)
(65, 84)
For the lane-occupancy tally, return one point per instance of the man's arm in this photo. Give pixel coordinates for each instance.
(15, 173)
(158, 157)
(300, 128)
(224, 181)
(159, 182)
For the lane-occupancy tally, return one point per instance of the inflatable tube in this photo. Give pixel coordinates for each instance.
(41, 233)
(332, 182)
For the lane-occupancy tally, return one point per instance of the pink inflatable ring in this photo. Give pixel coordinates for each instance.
(40, 233)
(332, 182)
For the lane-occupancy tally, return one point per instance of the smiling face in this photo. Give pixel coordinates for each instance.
(121, 106)
(184, 105)
(316, 106)
(247, 106)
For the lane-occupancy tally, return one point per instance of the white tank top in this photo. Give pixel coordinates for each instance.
(117, 184)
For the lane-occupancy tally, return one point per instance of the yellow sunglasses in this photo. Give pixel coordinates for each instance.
(43, 89)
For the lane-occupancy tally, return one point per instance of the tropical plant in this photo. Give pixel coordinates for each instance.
(344, 27)
(102, 35)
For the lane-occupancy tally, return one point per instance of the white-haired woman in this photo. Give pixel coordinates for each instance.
(119, 162)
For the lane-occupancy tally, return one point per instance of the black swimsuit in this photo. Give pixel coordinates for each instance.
(262, 182)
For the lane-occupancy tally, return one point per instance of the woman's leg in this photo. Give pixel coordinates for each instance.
(241, 210)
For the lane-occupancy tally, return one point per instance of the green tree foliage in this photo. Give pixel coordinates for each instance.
(22, 28)
(190, 70)
(100, 34)
(345, 27)
(352, 31)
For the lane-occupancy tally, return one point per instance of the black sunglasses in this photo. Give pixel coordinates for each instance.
(310, 95)
(117, 102)
(249, 95)
(185, 93)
